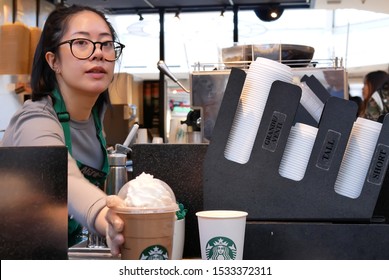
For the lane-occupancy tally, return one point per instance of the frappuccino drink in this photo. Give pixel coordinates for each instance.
(149, 214)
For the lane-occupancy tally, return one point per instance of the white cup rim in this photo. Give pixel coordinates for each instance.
(221, 214)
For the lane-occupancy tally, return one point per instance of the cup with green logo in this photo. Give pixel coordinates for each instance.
(149, 213)
(222, 234)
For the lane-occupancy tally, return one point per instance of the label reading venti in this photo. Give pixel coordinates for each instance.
(379, 165)
(274, 131)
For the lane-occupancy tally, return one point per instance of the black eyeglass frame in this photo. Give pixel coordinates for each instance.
(70, 42)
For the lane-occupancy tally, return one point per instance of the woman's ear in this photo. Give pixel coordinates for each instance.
(52, 61)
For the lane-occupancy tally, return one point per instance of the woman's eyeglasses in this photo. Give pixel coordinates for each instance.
(83, 48)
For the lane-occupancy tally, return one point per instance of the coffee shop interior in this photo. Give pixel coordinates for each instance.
(182, 63)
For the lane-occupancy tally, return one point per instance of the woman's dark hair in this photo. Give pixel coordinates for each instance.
(376, 80)
(43, 80)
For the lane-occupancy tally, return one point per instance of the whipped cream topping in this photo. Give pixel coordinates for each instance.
(146, 191)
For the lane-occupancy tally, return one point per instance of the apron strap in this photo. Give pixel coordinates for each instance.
(63, 116)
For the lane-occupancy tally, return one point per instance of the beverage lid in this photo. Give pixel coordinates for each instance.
(172, 207)
(146, 210)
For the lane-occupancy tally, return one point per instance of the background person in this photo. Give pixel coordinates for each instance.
(335, 80)
(375, 93)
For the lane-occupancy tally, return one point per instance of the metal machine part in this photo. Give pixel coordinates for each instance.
(117, 160)
(164, 69)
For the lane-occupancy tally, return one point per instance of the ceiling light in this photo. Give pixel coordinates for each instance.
(274, 14)
(140, 17)
(269, 13)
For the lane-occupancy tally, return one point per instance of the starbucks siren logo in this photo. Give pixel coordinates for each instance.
(220, 248)
(154, 252)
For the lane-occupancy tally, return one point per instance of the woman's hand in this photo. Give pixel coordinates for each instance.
(114, 230)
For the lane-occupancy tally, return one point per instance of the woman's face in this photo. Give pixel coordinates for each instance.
(366, 91)
(90, 76)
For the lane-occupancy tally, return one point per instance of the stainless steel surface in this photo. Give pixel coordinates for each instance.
(334, 79)
(117, 160)
(207, 94)
(290, 54)
(117, 176)
(208, 89)
(164, 69)
(82, 252)
(96, 241)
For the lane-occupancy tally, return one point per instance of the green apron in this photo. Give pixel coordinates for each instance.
(96, 177)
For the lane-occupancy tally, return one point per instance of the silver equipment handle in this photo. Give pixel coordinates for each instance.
(165, 70)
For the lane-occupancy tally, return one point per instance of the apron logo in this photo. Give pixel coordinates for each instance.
(91, 172)
(220, 248)
(154, 252)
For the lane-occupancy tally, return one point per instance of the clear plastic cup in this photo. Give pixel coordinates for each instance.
(148, 231)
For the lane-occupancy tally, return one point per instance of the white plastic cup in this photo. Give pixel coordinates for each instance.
(178, 239)
(157, 140)
(142, 137)
(357, 157)
(311, 102)
(298, 151)
(222, 234)
(148, 231)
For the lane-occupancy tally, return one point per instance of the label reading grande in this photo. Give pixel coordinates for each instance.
(274, 131)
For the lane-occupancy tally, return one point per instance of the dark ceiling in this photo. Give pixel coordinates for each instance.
(154, 6)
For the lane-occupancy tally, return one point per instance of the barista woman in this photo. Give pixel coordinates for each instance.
(73, 67)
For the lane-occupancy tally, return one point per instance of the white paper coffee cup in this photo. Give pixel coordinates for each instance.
(222, 234)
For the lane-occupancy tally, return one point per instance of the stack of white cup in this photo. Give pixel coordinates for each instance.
(311, 102)
(357, 157)
(260, 77)
(297, 151)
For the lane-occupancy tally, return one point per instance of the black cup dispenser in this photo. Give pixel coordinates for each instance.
(291, 219)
